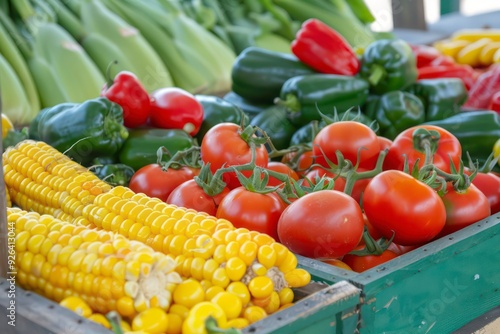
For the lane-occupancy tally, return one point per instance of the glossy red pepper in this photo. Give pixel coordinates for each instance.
(425, 54)
(464, 72)
(324, 49)
(495, 102)
(127, 91)
(175, 108)
(485, 86)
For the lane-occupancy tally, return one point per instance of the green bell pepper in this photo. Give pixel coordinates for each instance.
(397, 111)
(275, 123)
(250, 108)
(141, 147)
(442, 97)
(476, 130)
(258, 74)
(304, 95)
(217, 110)
(114, 174)
(82, 131)
(388, 65)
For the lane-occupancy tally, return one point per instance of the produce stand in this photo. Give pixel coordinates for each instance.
(436, 288)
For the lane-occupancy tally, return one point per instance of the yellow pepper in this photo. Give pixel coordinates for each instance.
(469, 55)
(196, 321)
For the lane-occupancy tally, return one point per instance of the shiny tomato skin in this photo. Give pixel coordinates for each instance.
(489, 184)
(282, 168)
(384, 142)
(190, 195)
(463, 208)
(222, 145)
(254, 211)
(322, 224)
(304, 161)
(175, 108)
(348, 137)
(155, 182)
(402, 146)
(397, 202)
(363, 263)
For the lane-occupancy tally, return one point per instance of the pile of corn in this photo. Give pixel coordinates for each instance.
(126, 252)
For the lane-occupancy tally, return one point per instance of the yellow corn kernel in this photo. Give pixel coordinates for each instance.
(254, 314)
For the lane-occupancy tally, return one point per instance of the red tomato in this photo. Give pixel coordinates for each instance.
(348, 137)
(489, 184)
(363, 263)
(400, 250)
(280, 168)
(371, 230)
(222, 145)
(402, 146)
(155, 182)
(190, 195)
(254, 211)
(175, 108)
(337, 263)
(322, 224)
(463, 208)
(305, 161)
(384, 142)
(395, 202)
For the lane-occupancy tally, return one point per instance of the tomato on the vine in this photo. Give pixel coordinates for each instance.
(252, 210)
(282, 168)
(489, 184)
(400, 250)
(397, 203)
(349, 137)
(337, 263)
(403, 146)
(304, 161)
(175, 108)
(153, 181)
(365, 262)
(322, 224)
(190, 195)
(463, 208)
(223, 145)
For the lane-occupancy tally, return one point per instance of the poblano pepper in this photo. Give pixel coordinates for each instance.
(304, 95)
(141, 147)
(397, 111)
(82, 131)
(388, 65)
(277, 126)
(442, 98)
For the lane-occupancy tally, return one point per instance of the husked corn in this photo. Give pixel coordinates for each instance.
(40, 178)
(106, 270)
(205, 248)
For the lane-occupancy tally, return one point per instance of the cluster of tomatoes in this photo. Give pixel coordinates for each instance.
(349, 183)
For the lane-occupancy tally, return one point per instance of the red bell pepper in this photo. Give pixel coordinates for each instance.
(495, 102)
(175, 108)
(424, 54)
(324, 49)
(485, 86)
(464, 72)
(127, 91)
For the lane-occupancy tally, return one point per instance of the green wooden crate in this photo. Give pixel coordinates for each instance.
(436, 288)
(332, 309)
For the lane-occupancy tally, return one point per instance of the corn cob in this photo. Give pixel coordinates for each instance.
(7, 198)
(210, 250)
(40, 178)
(57, 259)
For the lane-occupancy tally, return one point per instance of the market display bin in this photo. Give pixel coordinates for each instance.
(436, 288)
(320, 309)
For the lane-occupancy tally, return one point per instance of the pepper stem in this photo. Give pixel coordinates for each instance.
(291, 103)
(377, 73)
(110, 81)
